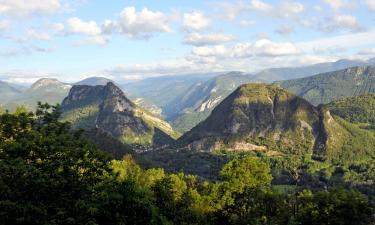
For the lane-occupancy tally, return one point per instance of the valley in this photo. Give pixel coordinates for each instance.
(304, 141)
(246, 112)
(215, 117)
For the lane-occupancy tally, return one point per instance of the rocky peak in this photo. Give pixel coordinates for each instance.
(258, 108)
(94, 81)
(80, 93)
(260, 115)
(114, 100)
(108, 109)
(44, 82)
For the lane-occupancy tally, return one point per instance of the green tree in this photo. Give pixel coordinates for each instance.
(334, 207)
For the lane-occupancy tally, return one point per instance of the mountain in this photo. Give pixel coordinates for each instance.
(43, 90)
(107, 108)
(323, 88)
(193, 106)
(287, 73)
(143, 103)
(162, 90)
(148, 105)
(266, 118)
(359, 110)
(371, 61)
(7, 91)
(93, 81)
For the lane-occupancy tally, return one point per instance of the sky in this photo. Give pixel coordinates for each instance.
(130, 40)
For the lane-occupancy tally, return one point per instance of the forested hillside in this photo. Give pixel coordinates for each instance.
(359, 110)
(51, 174)
(326, 87)
(265, 121)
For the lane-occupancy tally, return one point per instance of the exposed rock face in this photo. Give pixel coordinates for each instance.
(108, 109)
(82, 94)
(260, 117)
(117, 114)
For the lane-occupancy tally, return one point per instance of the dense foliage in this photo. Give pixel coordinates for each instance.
(326, 87)
(360, 109)
(50, 174)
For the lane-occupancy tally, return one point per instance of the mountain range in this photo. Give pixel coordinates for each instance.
(186, 100)
(193, 106)
(287, 73)
(107, 109)
(272, 123)
(327, 119)
(44, 90)
(323, 88)
(269, 119)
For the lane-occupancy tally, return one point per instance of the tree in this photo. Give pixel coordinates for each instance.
(334, 207)
(249, 172)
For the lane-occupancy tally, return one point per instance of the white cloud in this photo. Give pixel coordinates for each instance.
(197, 39)
(335, 4)
(22, 8)
(285, 9)
(318, 8)
(138, 71)
(109, 27)
(261, 48)
(247, 23)
(340, 22)
(141, 24)
(57, 27)
(288, 9)
(138, 25)
(89, 28)
(233, 10)
(76, 25)
(268, 48)
(31, 34)
(26, 77)
(25, 50)
(215, 51)
(341, 41)
(4, 25)
(367, 52)
(284, 30)
(196, 21)
(93, 40)
(260, 6)
(370, 4)
(252, 57)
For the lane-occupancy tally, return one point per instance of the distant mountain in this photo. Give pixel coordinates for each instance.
(359, 109)
(149, 106)
(323, 88)
(278, 74)
(371, 61)
(107, 108)
(268, 119)
(43, 90)
(7, 92)
(193, 106)
(93, 81)
(162, 90)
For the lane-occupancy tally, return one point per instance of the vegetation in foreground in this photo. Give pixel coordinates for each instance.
(51, 174)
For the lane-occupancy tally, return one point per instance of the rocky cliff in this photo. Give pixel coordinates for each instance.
(108, 109)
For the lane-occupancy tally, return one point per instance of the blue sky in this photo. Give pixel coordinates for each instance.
(71, 40)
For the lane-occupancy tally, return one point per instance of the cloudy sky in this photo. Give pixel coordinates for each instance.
(73, 39)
